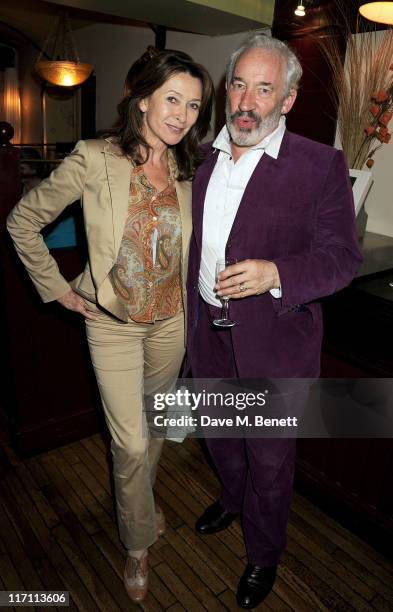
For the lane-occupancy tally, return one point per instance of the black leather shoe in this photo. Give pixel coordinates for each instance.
(214, 519)
(255, 585)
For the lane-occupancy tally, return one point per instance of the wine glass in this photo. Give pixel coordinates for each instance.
(224, 320)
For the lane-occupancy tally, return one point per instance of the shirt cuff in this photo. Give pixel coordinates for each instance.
(276, 292)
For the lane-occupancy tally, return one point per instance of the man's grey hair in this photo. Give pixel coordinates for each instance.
(261, 40)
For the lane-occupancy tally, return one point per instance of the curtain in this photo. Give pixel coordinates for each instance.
(12, 102)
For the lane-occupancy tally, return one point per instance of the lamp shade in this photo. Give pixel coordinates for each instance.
(300, 11)
(380, 12)
(63, 73)
(58, 62)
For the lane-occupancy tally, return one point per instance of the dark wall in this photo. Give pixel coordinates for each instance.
(314, 114)
(7, 57)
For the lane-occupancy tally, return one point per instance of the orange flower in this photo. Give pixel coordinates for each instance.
(369, 130)
(387, 138)
(386, 117)
(380, 96)
(370, 163)
(375, 110)
(383, 131)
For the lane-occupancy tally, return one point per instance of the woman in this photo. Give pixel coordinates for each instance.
(136, 197)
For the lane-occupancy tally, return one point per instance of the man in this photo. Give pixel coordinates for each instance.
(281, 206)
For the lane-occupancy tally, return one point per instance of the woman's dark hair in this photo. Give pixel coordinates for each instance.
(145, 76)
(137, 67)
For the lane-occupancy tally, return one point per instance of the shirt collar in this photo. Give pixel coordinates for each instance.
(270, 144)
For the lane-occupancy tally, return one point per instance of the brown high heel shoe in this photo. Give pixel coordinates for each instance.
(136, 577)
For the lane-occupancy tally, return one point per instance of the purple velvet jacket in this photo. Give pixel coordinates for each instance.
(297, 210)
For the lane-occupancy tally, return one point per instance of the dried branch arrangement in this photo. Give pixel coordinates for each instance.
(363, 91)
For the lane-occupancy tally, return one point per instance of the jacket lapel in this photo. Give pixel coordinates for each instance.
(264, 185)
(118, 169)
(199, 188)
(183, 191)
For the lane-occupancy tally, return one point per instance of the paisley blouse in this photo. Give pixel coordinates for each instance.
(146, 275)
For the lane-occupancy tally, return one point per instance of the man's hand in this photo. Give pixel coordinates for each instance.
(248, 277)
(73, 301)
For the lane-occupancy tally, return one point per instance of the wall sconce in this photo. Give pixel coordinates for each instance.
(380, 12)
(63, 68)
(300, 11)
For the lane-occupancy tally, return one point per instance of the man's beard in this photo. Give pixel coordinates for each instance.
(248, 137)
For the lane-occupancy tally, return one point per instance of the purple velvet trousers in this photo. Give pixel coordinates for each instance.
(256, 473)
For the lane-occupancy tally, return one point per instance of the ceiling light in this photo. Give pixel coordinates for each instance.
(381, 12)
(300, 11)
(62, 67)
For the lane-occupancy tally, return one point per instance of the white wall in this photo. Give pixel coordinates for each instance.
(113, 48)
(379, 204)
(213, 52)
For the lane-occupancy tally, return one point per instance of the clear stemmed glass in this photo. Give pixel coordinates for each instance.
(224, 320)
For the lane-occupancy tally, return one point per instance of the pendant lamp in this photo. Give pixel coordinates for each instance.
(380, 12)
(300, 11)
(63, 67)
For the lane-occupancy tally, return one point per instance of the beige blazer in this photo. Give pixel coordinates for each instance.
(98, 174)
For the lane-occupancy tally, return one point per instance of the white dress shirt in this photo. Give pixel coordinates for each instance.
(223, 196)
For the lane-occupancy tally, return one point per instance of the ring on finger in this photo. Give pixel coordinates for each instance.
(242, 287)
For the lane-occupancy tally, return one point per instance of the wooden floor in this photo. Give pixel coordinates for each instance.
(57, 532)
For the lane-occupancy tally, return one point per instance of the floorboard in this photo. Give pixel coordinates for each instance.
(58, 532)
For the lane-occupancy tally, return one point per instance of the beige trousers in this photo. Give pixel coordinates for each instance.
(132, 360)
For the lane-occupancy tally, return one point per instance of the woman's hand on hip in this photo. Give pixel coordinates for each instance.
(73, 301)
